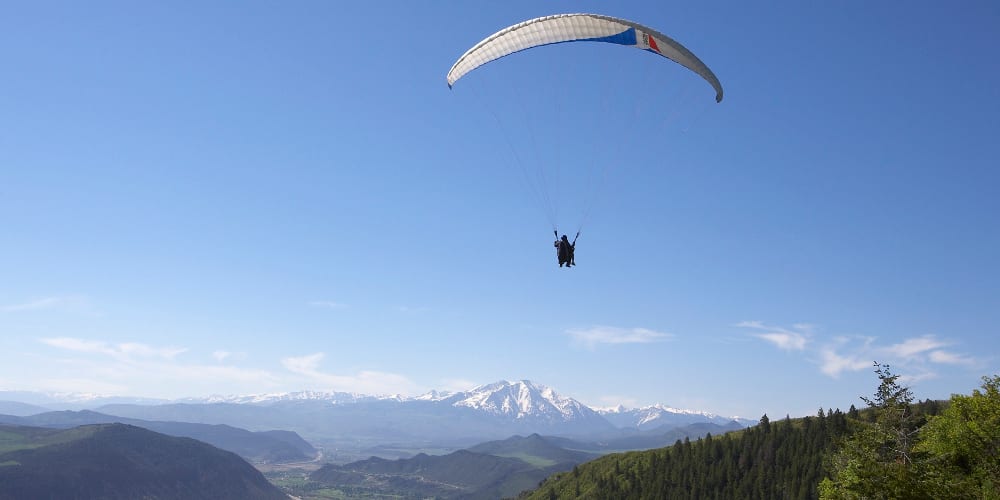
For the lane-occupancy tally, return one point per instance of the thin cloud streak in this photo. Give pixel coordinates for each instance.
(365, 382)
(949, 358)
(788, 340)
(68, 303)
(327, 304)
(913, 378)
(911, 348)
(851, 354)
(833, 364)
(132, 368)
(592, 337)
(123, 351)
(784, 341)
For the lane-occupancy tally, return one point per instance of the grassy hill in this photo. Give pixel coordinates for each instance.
(257, 447)
(118, 461)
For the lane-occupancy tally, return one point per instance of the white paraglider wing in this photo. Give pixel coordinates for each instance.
(578, 28)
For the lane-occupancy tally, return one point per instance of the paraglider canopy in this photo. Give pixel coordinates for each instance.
(562, 28)
(564, 120)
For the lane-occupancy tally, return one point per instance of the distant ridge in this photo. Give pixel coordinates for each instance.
(257, 447)
(118, 461)
(658, 415)
(497, 469)
(522, 399)
(19, 409)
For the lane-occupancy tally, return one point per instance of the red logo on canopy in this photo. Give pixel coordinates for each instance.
(652, 44)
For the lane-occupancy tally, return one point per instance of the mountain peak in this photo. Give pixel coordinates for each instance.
(519, 400)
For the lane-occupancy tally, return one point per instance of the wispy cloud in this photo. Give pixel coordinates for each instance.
(916, 354)
(789, 341)
(785, 339)
(915, 347)
(804, 327)
(833, 364)
(67, 303)
(327, 304)
(949, 358)
(122, 351)
(917, 376)
(221, 356)
(366, 382)
(924, 350)
(590, 338)
(133, 368)
(855, 353)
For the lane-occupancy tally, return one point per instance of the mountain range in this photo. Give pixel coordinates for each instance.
(356, 424)
(651, 417)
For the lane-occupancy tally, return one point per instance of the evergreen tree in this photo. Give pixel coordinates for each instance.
(877, 460)
(852, 412)
(883, 451)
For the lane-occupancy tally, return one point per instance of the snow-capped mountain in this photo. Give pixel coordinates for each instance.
(658, 415)
(73, 400)
(521, 400)
(499, 409)
(434, 396)
(270, 398)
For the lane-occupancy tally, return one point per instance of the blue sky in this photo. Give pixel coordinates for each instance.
(248, 197)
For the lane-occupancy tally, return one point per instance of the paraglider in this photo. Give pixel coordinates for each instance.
(569, 28)
(565, 250)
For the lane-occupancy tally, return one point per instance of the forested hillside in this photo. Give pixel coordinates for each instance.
(894, 448)
(781, 459)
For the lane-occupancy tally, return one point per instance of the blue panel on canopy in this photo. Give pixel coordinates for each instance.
(626, 37)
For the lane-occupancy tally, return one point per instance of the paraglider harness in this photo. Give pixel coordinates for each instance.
(566, 252)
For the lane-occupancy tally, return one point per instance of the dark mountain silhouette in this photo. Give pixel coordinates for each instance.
(259, 447)
(118, 461)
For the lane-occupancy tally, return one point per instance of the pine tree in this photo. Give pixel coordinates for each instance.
(877, 460)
